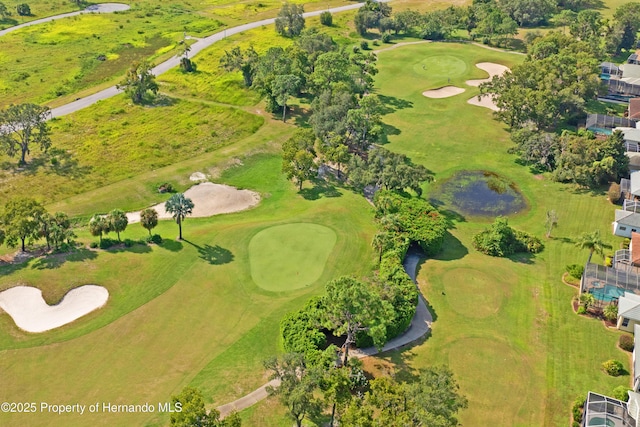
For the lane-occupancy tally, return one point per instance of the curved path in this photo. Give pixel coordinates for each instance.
(198, 46)
(420, 326)
(94, 8)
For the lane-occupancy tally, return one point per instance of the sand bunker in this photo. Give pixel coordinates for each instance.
(31, 313)
(443, 92)
(485, 101)
(210, 199)
(491, 68)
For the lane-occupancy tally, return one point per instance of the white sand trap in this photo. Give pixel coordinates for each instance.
(491, 68)
(210, 199)
(443, 92)
(31, 313)
(486, 102)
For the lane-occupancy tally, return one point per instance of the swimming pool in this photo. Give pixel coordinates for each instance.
(608, 293)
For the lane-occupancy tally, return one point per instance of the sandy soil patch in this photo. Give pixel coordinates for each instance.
(31, 313)
(491, 68)
(485, 101)
(197, 176)
(210, 199)
(443, 92)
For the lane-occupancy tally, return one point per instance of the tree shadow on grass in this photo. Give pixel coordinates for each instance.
(452, 249)
(391, 104)
(171, 245)
(214, 255)
(64, 164)
(56, 260)
(136, 248)
(386, 131)
(320, 189)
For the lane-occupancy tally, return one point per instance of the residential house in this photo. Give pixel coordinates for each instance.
(628, 311)
(626, 223)
(636, 359)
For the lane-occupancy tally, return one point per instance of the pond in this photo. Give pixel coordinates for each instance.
(479, 193)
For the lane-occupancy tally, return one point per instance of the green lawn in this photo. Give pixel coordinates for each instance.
(505, 326)
(178, 314)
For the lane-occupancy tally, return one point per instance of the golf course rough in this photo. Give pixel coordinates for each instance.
(290, 256)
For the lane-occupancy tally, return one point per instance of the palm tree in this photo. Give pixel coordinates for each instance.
(382, 241)
(593, 242)
(587, 300)
(149, 219)
(610, 312)
(179, 207)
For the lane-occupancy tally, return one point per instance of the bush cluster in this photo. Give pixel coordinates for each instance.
(575, 270)
(326, 18)
(621, 393)
(300, 330)
(614, 193)
(576, 411)
(501, 240)
(626, 342)
(613, 367)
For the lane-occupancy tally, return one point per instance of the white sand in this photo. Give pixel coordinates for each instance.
(197, 176)
(491, 68)
(210, 199)
(443, 92)
(31, 313)
(486, 102)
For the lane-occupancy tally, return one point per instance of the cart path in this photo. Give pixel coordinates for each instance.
(420, 326)
(94, 8)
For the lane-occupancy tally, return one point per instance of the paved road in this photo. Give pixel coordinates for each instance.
(94, 8)
(198, 46)
(420, 326)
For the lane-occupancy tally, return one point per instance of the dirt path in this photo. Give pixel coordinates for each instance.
(94, 8)
(420, 326)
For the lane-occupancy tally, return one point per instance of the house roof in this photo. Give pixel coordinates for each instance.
(630, 219)
(609, 67)
(633, 405)
(630, 70)
(634, 108)
(629, 306)
(630, 134)
(636, 355)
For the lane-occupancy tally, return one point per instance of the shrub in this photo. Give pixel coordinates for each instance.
(93, 245)
(23, 9)
(610, 312)
(581, 310)
(326, 18)
(376, 43)
(364, 45)
(386, 38)
(501, 240)
(356, 49)
(166, 187)
(576, 410)
(613, 367)
(106, 243)
(608, 261)
(300, 329)
(614, 193)
(575, 270)
(626, 342)
(154, 239)
(621, 393)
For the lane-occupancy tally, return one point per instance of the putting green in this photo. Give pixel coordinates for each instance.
(473, 293)
(291, 256)
(440, 66)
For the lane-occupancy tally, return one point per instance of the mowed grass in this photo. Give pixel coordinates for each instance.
(176, 316)
(115, 140)
(505, 326)
(290, 256)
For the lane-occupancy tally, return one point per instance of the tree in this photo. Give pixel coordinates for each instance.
(352, 306)
(243, 61)
(186, 64)
(4, 12)
(118, 221)
(138, 81)
(298, 156)
(627, 17)
(364, 124)
(383, 241)
(99, 225)
(22, 125)
(179, 207)
(326, 18)
(329, 113)
(297, 385)
(369, 16)
(587, 300)
(149, 219)
(592, 241)
(587, 25)
(23, 9)
(20, 220)
(191, 412)
(551, 222)
(60, 230)
(282, 88)
(529, 12)
(290, 21)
